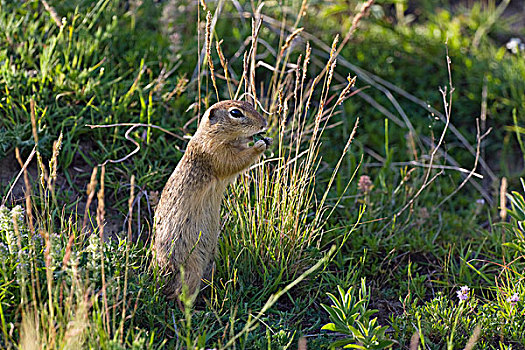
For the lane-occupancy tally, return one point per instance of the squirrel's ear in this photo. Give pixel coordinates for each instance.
(212, 115)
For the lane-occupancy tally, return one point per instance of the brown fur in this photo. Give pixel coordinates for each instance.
(187, 216)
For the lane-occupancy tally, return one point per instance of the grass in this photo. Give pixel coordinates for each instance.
(310, 248)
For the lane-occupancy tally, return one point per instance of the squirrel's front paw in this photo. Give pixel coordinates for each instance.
(263, 144)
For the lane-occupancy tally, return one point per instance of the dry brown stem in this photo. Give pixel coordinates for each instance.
(100, 223)
(503, 199)
(128, 245)
(22, 171)
(52, 13)
(479, 138)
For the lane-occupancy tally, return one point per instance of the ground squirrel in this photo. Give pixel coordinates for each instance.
(187, 216)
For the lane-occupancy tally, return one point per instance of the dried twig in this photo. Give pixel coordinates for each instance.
(423, 165)
(453, 162)
(126, 135)
(375, 80)
(448, 109)
(480, 138)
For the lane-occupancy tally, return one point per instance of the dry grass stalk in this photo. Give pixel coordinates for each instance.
(182, 83)
(324, 95)
(280, 99)
(256, 27)
(336, 171)
(224, 64)
(244, 78)
(330, 66)
(355, 22)
(43, 171)
(33, 120)
(473, 338)
(302, 344)
(53, 162)
(90, 193)
(69, 246)
(289, 40)
(330, 76)
(130, 205)
(307, 55)
(49, 279)
(20, 253)
(27, 192)
(76, 328)
(208, 54)
(414, 341)
(29, 336)
(302, 12)
(52, 13)
(412, 145)
(335, 52)
(100, 224)
(51, 180)
(128, 244)
(35, 280)
(344, 94)
(503, 199)
(297, 83)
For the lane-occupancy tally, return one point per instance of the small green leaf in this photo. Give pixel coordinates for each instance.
(329, 327)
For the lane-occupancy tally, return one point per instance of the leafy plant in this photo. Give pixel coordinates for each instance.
(517, 225)
(349, 316)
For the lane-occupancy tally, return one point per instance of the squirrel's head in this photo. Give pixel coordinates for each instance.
(232, 121)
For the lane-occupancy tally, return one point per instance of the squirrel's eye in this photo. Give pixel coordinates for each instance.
(236, 113)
